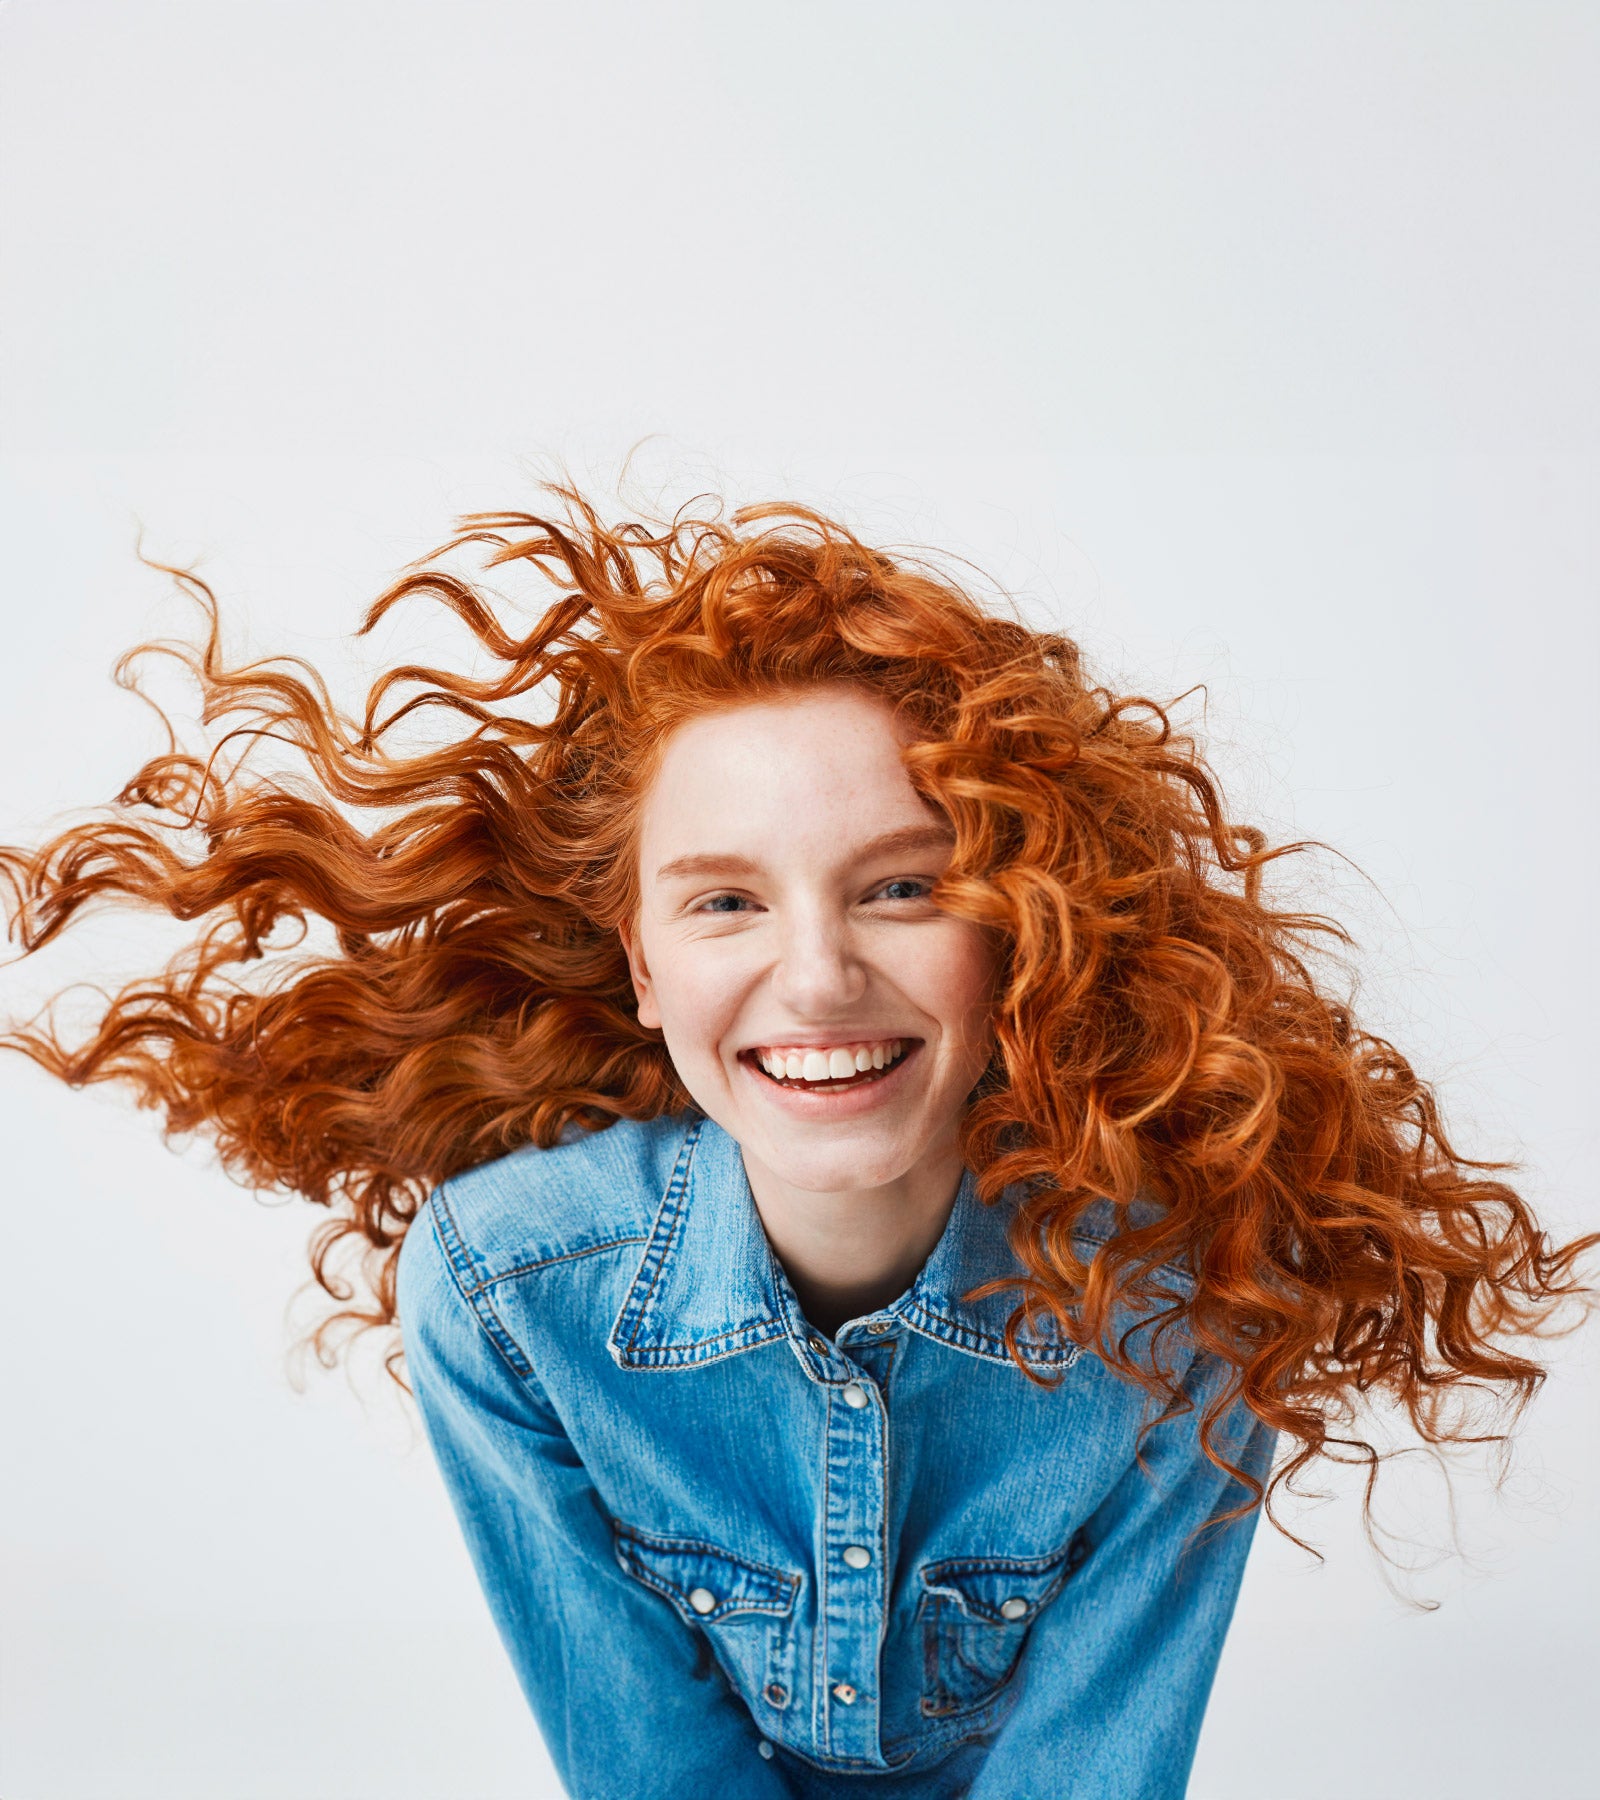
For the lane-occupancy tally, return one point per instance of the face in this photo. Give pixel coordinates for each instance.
(785, 867)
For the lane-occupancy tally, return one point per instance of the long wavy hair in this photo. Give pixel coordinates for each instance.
(1159, 1033)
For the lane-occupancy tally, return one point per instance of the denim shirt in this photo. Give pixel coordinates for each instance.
(729, 1555)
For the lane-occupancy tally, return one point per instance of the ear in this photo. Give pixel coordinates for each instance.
(643, 987)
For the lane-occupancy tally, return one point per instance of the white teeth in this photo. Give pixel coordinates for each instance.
(828, 1065)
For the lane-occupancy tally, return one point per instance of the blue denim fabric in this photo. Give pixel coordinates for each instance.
(658, 1465)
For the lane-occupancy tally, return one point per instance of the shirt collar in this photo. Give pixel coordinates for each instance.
(708, 1285)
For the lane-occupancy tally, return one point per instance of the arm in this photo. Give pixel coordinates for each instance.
(1119, 1668)
(607, 1667)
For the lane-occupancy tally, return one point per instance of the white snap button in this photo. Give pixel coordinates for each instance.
(844, 1693)
(857, 1555)
(764, 1749)
(877, 1326)
(853, 1394)
(1013, 1608)
(702, 1599)
(820, 1347)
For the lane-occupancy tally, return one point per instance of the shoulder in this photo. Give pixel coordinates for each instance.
(1101, 1222)
(592, 1191)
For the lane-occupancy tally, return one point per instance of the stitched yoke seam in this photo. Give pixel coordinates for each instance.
(476, 1295)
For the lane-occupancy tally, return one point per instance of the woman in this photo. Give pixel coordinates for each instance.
(865, 1177)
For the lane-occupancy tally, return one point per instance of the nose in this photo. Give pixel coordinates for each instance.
(818, 973)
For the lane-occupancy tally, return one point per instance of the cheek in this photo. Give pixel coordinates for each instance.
(957, 972)
(698, 996)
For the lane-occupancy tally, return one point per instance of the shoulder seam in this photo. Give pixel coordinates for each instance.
(1171, 1267)
(545, 1262)
(476, 1296)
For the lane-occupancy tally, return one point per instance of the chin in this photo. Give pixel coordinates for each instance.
(809, 1172)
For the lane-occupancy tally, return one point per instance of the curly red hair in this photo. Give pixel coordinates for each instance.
(1159, 1034)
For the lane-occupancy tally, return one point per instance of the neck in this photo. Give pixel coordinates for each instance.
(851, 1252)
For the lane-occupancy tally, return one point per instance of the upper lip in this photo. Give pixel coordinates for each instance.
(816, 1040)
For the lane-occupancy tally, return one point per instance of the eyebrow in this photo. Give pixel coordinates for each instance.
(907, 839)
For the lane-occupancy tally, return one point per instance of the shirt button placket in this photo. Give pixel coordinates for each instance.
(852, 1570)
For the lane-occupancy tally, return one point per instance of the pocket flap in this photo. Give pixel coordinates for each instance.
(1002, 1590)
(703, 1581)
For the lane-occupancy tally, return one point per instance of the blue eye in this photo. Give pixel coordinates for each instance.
(714, 903)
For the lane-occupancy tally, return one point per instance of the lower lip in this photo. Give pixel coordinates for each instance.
(845, 1103)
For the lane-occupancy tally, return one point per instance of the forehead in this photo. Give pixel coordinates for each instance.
(813, 769)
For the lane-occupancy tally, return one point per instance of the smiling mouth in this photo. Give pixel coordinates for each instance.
(880, 1059)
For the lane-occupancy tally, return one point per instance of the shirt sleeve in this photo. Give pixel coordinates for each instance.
(1119, 1667)
(625, 1702)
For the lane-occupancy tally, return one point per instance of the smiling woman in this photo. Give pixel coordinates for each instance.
(865, 1177)
(825, 1013)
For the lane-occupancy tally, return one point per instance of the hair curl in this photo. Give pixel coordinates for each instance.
(1159, 1033)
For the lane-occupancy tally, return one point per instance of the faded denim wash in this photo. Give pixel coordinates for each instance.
(731, 1557)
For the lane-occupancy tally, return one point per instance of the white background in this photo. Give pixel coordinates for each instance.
(1253, 344)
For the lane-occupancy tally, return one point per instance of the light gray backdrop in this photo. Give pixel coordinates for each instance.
(1253, 344)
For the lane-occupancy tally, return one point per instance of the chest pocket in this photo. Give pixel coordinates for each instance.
(976, 1613)
(744, 1608)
